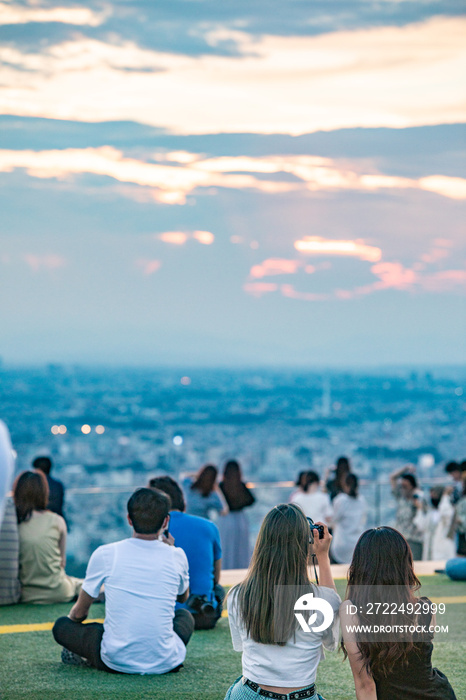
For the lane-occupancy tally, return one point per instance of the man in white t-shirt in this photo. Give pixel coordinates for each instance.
(143, 577)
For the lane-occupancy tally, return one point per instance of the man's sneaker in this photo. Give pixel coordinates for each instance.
(71, 659)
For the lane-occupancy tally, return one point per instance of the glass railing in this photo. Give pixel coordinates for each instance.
(97, 515)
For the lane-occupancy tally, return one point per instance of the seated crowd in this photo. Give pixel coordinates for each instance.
(163, 582)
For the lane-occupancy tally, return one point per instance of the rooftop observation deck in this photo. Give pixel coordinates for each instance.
(31, 668)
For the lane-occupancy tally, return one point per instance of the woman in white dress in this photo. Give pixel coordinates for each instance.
(348, 520)
(437, 525)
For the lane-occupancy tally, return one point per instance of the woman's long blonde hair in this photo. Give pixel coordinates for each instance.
(277, 576)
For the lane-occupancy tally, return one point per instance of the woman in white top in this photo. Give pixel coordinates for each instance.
(348, 520)
(437, 525)
(282, 649)
(311, 499)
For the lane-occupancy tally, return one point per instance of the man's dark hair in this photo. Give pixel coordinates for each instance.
(411, 478)
(43, 463)
(453, 467)
(172, 489)
(147, 509)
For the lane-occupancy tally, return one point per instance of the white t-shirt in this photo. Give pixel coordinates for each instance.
(315, 505)
(289, 666)
(349, 520)
(142, 580)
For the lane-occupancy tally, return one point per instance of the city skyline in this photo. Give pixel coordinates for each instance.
(194, 185)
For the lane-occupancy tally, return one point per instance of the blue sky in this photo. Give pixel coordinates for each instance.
(204, 183)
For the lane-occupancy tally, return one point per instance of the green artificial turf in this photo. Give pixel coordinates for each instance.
(30, 666)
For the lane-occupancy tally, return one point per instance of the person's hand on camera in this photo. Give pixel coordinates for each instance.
(322, 546)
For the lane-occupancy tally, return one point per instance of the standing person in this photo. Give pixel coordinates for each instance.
(7, 466)
(455, 471)
(56, 488)
(143, 576)
(335, 485)
(436, 524)
(383, 669)
(311, 499)
(42, 544)
(200, 540)
(460, 520)
(10, 587)
(234, 527)
(348, 520)
(405, 490)
(279, 658)
(203, 494)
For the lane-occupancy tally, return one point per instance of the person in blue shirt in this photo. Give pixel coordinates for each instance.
(56, 488)
(200, 540)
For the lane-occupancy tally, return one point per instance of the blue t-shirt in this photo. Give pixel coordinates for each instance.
(200, 540)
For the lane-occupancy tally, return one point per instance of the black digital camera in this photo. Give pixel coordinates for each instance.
(200, 604)
(313, 526)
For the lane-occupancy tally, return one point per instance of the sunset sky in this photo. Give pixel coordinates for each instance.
(204, 183)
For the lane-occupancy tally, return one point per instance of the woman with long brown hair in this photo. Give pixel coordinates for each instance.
(203, 494)
(280, 656)
(234, 527)
(42, 544)
(395, 663)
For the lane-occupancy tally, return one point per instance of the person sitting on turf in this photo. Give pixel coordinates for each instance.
(143, 576)
(200, 540)
(42, 544)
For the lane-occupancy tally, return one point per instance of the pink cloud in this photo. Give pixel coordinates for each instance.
(275, 266)
(394, 275)
(49, 261)
(289, 291)
(148, 267)
(444, 280)
(260, 288)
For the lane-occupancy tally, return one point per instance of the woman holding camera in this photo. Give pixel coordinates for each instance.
(381, 587)
(280, 658)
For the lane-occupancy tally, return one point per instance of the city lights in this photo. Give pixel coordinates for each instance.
(86, 429)
(62, 429)
(55, 429)
(177, 440)
(186, 381)
(100, 430)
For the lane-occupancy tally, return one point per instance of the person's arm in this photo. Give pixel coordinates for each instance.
(363, 683)
(394, 476)
(62, 540)
(183, 597)
(217, 570)
(321, 550)
(80, 609)
(183, 588)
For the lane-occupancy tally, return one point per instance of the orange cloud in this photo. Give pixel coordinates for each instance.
(49, 261)
(173, 237)
(204, 237)
(275, 266)
(148, 267)
(354, 78)
(17, 14)
(180, 237)
(171, 184)
(316, 245)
